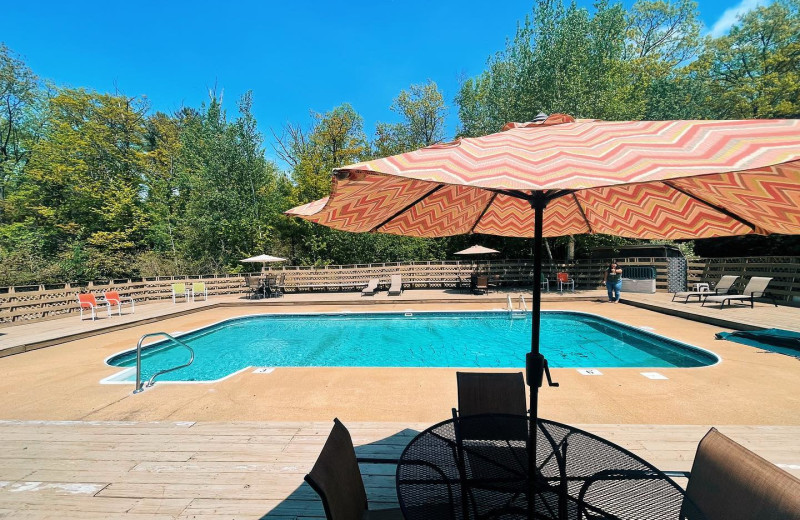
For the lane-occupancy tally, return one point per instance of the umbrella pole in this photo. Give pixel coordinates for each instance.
(534, 362)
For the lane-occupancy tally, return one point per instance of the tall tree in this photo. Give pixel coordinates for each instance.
(20, 94)
(227, 186)
(754, 71)
(422, 111)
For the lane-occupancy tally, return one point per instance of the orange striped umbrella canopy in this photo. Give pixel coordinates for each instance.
(644, 179)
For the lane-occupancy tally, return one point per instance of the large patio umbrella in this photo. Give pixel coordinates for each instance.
(643, 179)
(263, 259)
(476, 250)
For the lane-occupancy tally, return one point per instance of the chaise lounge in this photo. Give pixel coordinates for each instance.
(396, 286)
(371, 287)
(723, 287)
(756, 288)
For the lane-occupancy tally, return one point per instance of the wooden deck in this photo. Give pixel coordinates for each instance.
(204, 471)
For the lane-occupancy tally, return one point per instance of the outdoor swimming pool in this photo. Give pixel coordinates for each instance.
(437, 339)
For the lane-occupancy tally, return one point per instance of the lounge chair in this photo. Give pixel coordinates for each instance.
(371, 287)
(337, 480)
(396, 286)
(179, 290)
(723, 287)
(88, 301)
(199, 288)
(756, 288)
(729, 482)
(564, 280)
(113, 298)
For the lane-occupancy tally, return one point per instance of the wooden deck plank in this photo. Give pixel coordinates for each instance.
(237, 471)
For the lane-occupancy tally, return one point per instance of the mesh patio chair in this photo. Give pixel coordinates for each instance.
(337, 480)
(481, 285)
(729, 482)
(490, 393)
(254, 286)
(482, 392)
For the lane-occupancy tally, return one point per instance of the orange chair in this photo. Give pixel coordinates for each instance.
(113, 298)
(88, 301)
(564, 279)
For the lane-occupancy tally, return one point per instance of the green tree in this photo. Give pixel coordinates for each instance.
(227, 185)
(754, 71)
(422, 111)
(20, 94)
(82, 183)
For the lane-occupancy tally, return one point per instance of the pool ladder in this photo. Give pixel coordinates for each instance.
(520, 312)
(140, 385)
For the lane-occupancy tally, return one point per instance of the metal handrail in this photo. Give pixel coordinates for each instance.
(140, 386)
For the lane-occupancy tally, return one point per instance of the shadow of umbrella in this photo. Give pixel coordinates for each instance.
(377, 462)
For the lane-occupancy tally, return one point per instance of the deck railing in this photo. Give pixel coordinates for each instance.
(23, 304)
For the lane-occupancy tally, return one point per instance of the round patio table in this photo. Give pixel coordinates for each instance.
(477, 467)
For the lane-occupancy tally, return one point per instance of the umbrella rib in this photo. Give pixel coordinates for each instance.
(406, 208)
(491, 200)
(583, 213)
(712, 206)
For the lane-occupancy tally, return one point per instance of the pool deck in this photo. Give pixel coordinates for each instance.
(238, 448)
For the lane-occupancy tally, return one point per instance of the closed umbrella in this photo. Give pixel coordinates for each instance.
(560, 176)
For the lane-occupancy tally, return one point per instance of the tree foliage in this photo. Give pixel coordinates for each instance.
(95, 185)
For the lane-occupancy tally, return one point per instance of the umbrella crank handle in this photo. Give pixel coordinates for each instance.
(547, 373)
(537, 368)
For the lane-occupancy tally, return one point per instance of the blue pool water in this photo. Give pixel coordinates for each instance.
(485, 339)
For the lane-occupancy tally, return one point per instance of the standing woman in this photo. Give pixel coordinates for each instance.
(613, 280)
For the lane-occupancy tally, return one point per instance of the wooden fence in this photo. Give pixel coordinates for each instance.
(40, 302)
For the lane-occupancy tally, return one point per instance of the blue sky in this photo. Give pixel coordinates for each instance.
(294, 56)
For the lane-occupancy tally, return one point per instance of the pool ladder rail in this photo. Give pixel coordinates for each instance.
(140, 385)
(521, 311)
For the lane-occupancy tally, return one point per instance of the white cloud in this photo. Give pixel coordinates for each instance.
(731, 16)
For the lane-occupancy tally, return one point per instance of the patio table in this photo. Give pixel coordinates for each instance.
(477, 467)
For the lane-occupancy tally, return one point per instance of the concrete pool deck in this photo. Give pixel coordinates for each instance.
(61, 382)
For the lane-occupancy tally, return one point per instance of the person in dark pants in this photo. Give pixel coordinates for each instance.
(613, 280)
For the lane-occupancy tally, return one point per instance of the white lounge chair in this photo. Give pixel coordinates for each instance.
(397, 285)
(756, 288)
(371, 287)
(723, 287)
